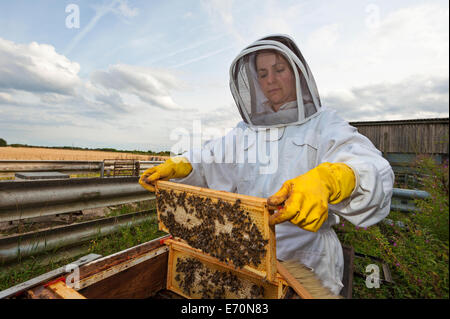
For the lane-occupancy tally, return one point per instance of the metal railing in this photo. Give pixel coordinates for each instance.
(31, 199)
(403, 199)
(24, 245)
(14, 166)
(10, 167)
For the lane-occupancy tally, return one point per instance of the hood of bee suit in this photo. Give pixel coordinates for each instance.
(254, 107)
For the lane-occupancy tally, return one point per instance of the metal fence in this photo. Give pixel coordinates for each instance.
(24, 245)
(9, 167)
(403, 199)
(30, 199)
(106, 168)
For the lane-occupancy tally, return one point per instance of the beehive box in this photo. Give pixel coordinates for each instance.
(230, 227)
(195, 275)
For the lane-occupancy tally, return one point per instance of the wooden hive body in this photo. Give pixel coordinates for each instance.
(232, 228)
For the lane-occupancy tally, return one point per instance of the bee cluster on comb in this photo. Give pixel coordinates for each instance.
(195, 278)
(220, 229)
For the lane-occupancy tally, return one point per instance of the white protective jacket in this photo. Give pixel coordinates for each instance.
(238, 162)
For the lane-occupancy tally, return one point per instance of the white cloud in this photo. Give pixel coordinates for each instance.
(324, 38)
(151, 86)
(396, 68)
(5, 98)
(36, 73)
(36, 67)
(414, 97)
(409, 41)
(412, 40)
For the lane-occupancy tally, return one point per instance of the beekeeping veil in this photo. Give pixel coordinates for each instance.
(253, 106)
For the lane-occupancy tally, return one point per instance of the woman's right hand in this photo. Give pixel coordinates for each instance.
(174, 167)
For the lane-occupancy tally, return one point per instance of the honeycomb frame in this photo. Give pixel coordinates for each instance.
(276, 289)
(254, 209)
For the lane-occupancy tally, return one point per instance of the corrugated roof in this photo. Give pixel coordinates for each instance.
(443, 120)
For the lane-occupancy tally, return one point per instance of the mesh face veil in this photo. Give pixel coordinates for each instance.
(262, 105)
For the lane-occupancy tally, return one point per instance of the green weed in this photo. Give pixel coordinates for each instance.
(415, 250)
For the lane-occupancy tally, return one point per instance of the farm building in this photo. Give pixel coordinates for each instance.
(402, 140)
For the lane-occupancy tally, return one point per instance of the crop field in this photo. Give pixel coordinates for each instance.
(50, 154)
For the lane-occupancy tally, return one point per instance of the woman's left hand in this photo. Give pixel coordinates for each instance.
(306, 197)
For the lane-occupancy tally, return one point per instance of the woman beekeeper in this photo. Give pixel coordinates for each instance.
(319, 167)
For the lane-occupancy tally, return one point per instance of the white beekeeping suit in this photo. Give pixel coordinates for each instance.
(269, 147)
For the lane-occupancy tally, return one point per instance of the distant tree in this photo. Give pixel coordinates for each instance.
(3, 142)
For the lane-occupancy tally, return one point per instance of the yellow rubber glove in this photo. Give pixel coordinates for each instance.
(306, 197)
(174, 167)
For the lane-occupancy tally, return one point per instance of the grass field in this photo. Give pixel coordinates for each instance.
(50, 154)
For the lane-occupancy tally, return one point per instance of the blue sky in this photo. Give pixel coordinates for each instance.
(135, 72)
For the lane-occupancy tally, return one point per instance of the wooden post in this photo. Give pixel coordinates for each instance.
(385, 144)
(62, 290)
(102, 169)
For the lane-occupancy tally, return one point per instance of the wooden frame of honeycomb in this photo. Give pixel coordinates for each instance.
(232, 228)
(195, 275)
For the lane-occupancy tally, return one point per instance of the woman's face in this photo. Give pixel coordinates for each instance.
(276, 79)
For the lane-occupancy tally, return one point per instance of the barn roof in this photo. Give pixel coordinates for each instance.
(441, 120)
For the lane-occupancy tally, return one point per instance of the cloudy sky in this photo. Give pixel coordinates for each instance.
(134, 74)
